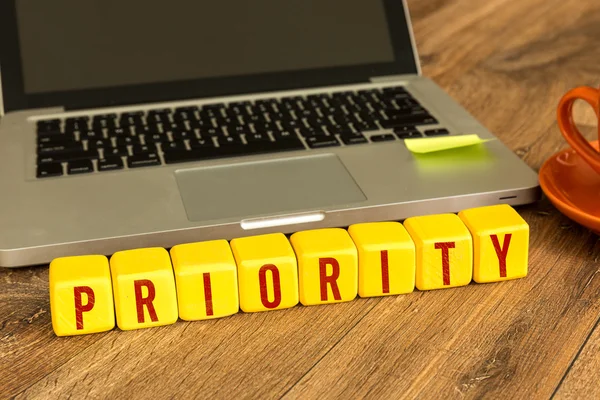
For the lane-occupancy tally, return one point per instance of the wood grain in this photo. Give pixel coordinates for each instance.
(508, 62)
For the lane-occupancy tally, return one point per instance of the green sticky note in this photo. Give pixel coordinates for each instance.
(441, 143)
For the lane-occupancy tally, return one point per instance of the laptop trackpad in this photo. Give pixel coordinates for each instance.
(261, 188)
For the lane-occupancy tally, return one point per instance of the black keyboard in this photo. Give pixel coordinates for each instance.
(109, 142)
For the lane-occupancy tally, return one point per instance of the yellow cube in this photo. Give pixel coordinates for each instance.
(386, 258)
(206, 279)
(81, 298)
(267, 272)
(327, 264)
(444, 251)
(500, 240)
(144, 288)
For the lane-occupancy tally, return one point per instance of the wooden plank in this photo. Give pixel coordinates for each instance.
(260, 353)
(508, 62)
(511, 339)
(582, 379)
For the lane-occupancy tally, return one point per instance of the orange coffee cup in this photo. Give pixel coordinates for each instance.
(569, 129)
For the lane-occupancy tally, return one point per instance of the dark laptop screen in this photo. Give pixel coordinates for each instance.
(73, 44)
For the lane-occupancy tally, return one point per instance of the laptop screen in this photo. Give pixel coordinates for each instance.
(96, 53)
(74, 44)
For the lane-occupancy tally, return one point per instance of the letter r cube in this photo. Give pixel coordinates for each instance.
(144, 288)
(81, 298)
(501, 242)
(327, 266)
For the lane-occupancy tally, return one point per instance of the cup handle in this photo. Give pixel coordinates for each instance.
(569, 129)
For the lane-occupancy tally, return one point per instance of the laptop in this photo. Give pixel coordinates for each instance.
(128, 124)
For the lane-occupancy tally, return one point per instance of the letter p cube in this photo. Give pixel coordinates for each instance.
(81, 299)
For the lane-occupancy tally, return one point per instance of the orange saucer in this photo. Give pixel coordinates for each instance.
(573, 187)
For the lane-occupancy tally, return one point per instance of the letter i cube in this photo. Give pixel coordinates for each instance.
(81, 298)
(144, 288)
(386, 258)
(206, 280)
(327, 265)
(267, 272)
(500, 240)
(444, 251)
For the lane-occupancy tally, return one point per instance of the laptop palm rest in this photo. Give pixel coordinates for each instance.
(263, 188)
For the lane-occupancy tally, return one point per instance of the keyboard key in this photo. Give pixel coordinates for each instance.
(257, 137)
(312, 131)
(173, 146)
(366, 126)
(261, 127)
(237, 129)
(143, 148)
(99, 143)
(201, 143)
(317, 142)
(408, 134)
(182, 135)
(80, 167)
(197, 154)
(211, 131)
(155, 138)
(284, 135)
(67, 156)
(91, 134)
(143, 160)
(48, 170)
(116, 132)
(105, 121)
(45, 139)
(382, 138)
(437, 132)
(127, 140)
(116, 151)
(408, 120)
(110, 163)
(354, 138)
(52, 148)
(76, 124)
(226, 141)
(48, 123)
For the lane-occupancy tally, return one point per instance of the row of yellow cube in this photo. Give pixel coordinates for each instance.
(146, 287)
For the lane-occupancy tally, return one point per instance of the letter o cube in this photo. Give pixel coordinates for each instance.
(267, 272)
(144, 288)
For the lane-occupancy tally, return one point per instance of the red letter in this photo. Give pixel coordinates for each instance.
(262, 279)
(329, 279)
(385, 273)
(501, 252)
(79, 307)
(207, 293)
(445, 259)
(145, 301)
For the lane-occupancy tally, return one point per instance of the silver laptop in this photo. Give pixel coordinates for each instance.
(140, 123)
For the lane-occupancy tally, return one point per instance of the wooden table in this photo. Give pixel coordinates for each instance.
(508, 62)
